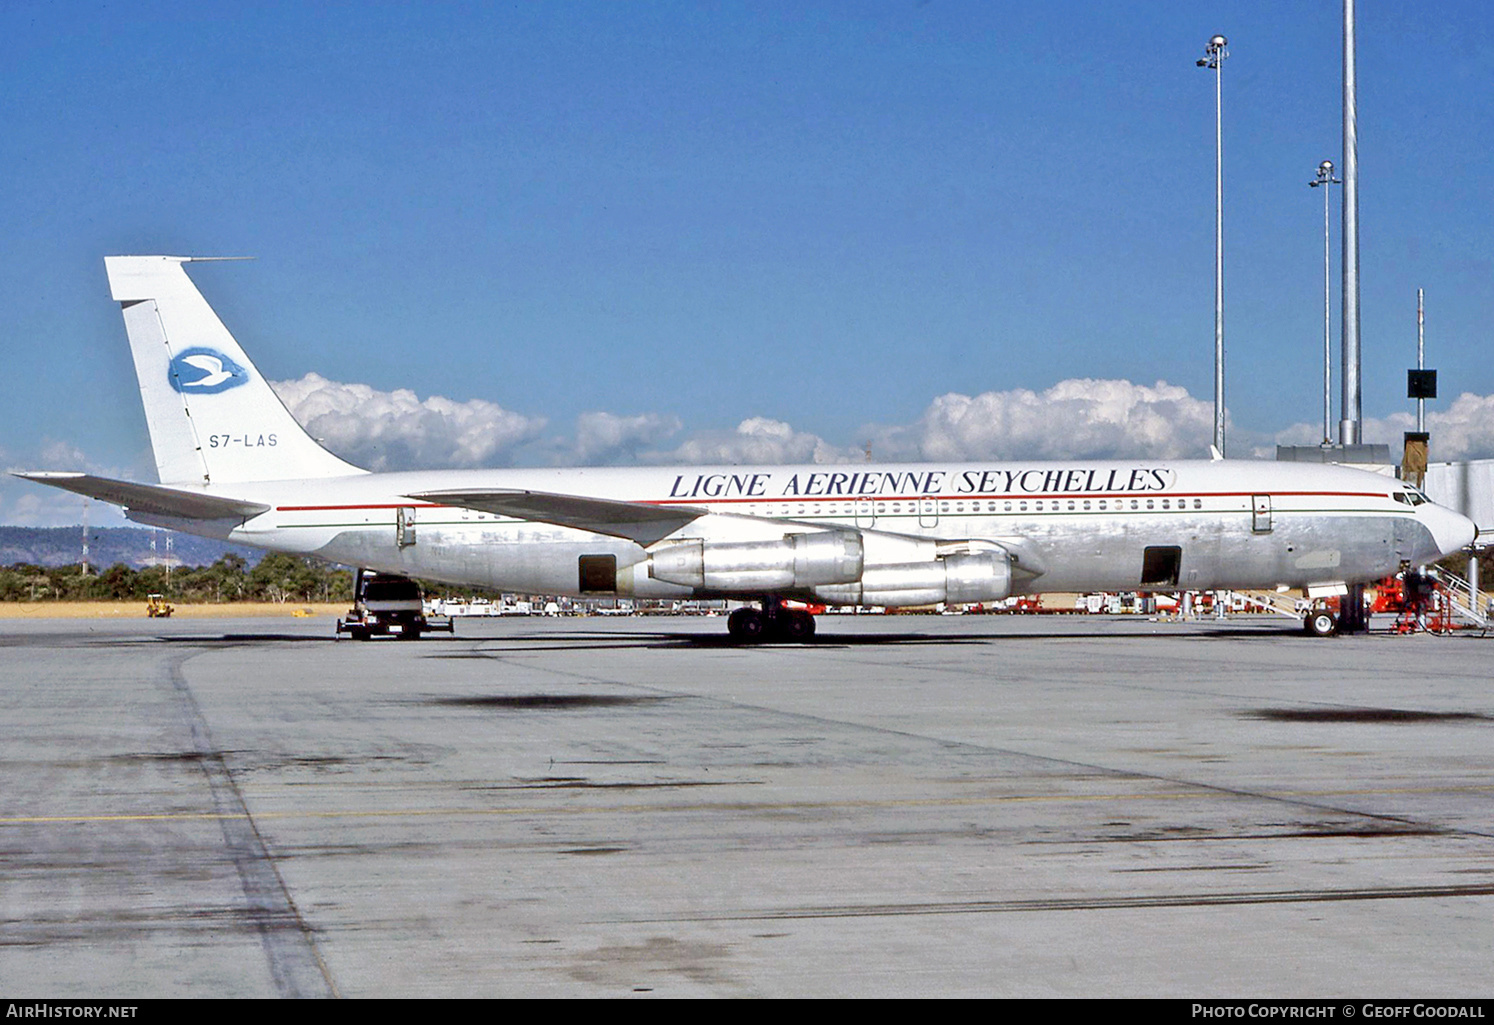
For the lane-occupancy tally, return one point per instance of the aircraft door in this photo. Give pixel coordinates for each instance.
(1159, 567)
(928, 512)
(1260, 514)
(1403, 537)
(597, 573)
(866, 512)
(404, 526)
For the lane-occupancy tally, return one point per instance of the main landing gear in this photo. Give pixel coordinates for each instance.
(772, 623)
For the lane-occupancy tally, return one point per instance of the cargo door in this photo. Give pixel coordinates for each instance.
(1159, 567)
(597, 573)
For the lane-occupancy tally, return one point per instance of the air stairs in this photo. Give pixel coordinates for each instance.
(1278, 603)
(1456, 604)
(1467, 605)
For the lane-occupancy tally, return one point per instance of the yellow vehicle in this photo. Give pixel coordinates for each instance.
(157, 607)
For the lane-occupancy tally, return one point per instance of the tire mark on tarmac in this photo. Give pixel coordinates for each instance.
(1169, 900)
(1318, 802)
(296, 968)
(1305, 799)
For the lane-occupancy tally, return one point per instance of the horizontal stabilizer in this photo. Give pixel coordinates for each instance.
(636, 521)
(150, 498)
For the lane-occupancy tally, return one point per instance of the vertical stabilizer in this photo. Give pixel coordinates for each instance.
(212, 418)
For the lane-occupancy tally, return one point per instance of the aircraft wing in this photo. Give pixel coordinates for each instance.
(636, 521)
(150, 498)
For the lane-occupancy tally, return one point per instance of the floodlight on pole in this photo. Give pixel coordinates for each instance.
(1213, 59)
(1325, 178)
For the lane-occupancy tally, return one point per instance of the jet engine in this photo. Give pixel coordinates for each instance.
(798, 562)
(954, 579)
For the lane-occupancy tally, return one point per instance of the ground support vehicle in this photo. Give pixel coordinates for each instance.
(386, 605)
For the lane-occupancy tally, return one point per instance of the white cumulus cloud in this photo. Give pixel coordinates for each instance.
(1464, 430)
(24, 503)
(756, 440)
(1079, 418)
(608, 438)
(397, 430)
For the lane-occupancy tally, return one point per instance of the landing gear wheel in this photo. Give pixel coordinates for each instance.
(1321, 624)
(795, 625)
(746, 625)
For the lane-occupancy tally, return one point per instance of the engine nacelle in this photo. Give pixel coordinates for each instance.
(797, 562)
(952, 579)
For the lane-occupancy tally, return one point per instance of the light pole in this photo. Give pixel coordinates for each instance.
(1325, 178)
(1350, 406)
(1213, 59)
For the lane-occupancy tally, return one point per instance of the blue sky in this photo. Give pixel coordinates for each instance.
(644, 232)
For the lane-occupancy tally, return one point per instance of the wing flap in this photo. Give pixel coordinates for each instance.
(150, 498)
(637, 521)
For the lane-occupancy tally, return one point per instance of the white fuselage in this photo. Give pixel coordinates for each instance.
(234, 464)
(1143, 525)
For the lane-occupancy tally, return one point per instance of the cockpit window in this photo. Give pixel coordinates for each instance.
(1410, 496)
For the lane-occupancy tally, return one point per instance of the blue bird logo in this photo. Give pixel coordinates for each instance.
(205, 371)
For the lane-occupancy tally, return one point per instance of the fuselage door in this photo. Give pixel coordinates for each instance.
(1159, 567)
(404, 526)
(1260, 514)
(1404, 537)
(866, 512)
(928, 512)
(598, 574)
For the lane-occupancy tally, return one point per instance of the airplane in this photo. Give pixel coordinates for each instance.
(233, 464)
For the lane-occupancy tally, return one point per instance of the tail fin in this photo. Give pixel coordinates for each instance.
(212, 417)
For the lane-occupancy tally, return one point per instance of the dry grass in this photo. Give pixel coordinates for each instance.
(136, 609)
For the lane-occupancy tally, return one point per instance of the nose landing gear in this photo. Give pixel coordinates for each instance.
(772, 623)
(1320, 623)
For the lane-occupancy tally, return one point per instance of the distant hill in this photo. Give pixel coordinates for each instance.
(62, 546)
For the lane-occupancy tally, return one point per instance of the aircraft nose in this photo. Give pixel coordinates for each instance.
(1451, 531)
